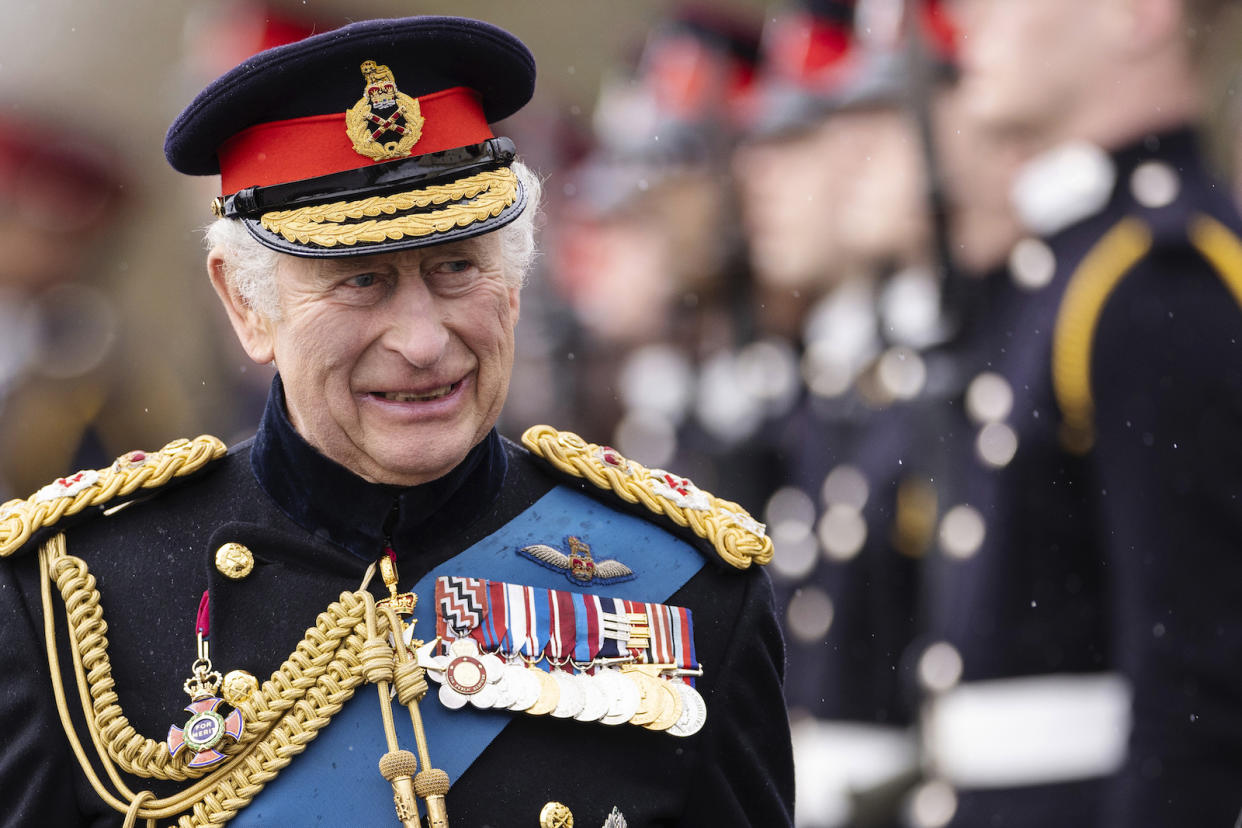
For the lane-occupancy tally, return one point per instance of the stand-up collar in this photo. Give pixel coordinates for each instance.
(1076, 180)
(330, 501)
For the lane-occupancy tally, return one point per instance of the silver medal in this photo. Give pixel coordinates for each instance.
(450, 698)
(595, 699)
(571, 700)
(504, 690)
(525, 686)
(624, 697)
(486, 698)
(693, 711)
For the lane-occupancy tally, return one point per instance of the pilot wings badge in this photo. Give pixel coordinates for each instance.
(385, 123)
(579, 566)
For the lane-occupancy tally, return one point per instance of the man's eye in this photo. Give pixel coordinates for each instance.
(362, 280)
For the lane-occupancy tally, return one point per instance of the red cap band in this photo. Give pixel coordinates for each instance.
(278, 152)
(803, 47)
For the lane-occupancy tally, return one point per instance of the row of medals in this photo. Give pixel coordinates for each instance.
(648, 695)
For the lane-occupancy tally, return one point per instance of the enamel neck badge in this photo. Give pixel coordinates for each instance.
(206, 728)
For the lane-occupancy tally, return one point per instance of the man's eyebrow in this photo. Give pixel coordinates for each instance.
(349, 264)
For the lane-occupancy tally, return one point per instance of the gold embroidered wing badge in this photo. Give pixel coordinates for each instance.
(385, 123)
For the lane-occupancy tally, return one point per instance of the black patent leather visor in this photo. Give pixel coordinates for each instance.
(396, 205)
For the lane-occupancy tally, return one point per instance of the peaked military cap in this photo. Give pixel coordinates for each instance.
(369, 138)
(820, 57)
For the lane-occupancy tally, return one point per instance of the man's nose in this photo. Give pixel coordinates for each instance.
(416, 328)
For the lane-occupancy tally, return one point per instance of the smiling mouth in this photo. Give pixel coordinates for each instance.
(406, 396)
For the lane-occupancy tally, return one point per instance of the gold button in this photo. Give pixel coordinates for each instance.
(234, 561)
(555, 815)
(238, 686)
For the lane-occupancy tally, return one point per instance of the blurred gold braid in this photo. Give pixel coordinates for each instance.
(19, 519)
(347, 646)
(324, 224)
(737, 538)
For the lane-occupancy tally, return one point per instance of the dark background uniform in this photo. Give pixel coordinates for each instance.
(1105, 546)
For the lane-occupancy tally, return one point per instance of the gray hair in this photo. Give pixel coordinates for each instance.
(250, 268)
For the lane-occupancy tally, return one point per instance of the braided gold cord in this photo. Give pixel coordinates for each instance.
(738, 539)
(299, 699)
(325, 224)
(19, 519)
(88, 631)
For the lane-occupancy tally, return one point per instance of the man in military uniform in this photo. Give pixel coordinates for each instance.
(1083, 602)
(851, 243)
(576, 637)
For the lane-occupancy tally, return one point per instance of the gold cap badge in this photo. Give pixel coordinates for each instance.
(384, 123)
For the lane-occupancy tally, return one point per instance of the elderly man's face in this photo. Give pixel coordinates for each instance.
(394, 365)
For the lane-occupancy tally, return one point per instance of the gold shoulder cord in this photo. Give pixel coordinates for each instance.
(1099, 273)
(19, 519)
(1089, 289)
(738, 538)
(347, 645)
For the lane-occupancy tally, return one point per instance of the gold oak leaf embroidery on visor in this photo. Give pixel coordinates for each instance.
(459, 204)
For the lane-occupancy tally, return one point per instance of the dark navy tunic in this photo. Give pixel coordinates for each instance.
(313, 528)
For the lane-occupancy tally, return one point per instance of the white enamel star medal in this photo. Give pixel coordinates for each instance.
(207, 727)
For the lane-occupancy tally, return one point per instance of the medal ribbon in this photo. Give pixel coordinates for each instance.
(461, 606)
(672, 638)
(493, 633)
(683, 641)
(609, 647)
(535, 622)
(587, 628)
(636, 608)
(202, 621)
(542, 613)
(563, 632)
(519, 641)
(661, 646)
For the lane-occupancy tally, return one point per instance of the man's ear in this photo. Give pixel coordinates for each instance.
(253, 330)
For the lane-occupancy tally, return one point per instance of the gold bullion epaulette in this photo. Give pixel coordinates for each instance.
(147, 470)
(738, 538)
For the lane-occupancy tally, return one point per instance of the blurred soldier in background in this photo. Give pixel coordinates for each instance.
(60, 191)
(849, 233)
(651, 259)
(1081, 666)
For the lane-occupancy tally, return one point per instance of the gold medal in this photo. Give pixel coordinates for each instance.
(672, 707)
(651, 697)
(549, 693)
